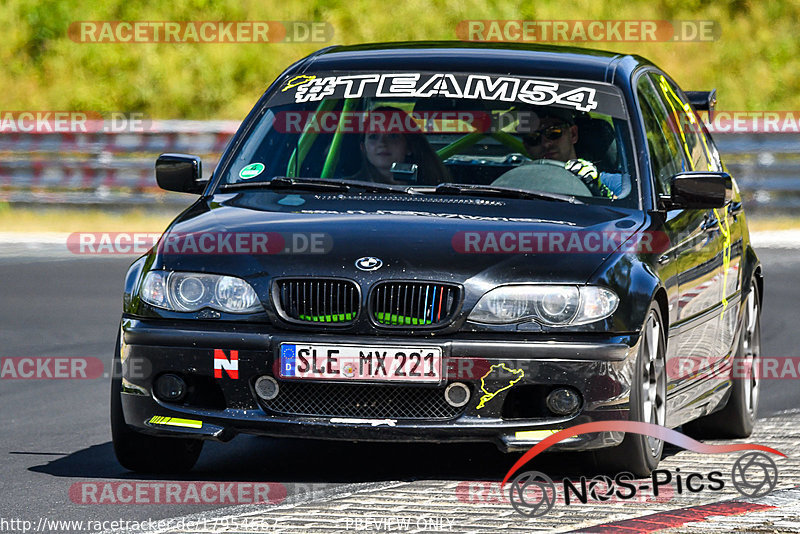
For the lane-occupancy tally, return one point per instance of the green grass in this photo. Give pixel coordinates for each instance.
(755, 64)
(764, 223)
(81, 220)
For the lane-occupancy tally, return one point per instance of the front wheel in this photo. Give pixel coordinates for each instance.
(637, 453)
(143, 453)
(738, 417)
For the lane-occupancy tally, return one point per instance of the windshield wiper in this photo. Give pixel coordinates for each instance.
(372, 187)
(507, 192)
(281, 182)
(318, 184)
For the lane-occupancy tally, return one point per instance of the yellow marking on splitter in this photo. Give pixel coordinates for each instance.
(174, 421)
(534, 434)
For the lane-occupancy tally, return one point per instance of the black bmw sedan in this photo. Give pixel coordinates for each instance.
(447, 242)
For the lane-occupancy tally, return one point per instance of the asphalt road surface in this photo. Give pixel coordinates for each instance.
(55, 433)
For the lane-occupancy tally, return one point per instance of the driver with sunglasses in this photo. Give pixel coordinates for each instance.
(555, 139)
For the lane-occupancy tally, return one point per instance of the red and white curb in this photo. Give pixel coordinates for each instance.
(778, 511)
(431, 505)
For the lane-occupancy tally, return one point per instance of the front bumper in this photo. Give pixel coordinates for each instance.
(514, 418)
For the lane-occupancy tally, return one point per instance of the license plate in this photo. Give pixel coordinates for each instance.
(361, 362)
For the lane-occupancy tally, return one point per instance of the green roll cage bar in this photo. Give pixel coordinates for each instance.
(309, 136)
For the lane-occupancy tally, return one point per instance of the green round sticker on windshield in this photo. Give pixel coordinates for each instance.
(251, 171)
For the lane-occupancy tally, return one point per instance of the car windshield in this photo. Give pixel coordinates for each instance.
(419, 130)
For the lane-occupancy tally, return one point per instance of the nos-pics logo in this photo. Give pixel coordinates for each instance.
(534, 494)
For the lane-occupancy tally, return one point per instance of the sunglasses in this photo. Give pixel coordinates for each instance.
(551, 132)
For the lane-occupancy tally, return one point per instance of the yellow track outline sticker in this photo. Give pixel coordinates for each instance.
(667, 90)
(724, 225)
(297, 80)
(489, 396)
(174, 421)
(726, 257)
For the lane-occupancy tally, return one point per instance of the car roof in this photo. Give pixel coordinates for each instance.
(455, 56)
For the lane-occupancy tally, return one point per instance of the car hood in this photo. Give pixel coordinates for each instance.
(448, 239)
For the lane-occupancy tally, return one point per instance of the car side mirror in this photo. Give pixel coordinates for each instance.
(181, 173)
(699, 190)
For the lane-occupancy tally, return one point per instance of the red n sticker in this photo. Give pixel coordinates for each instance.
(231, 365)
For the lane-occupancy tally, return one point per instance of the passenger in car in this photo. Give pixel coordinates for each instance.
(556, 138)
(384, 143)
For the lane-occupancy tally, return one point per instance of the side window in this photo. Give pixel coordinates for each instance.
(666, 155)
(688, 126)
(716, 161)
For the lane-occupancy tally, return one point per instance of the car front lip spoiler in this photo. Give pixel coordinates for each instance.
(225, 425)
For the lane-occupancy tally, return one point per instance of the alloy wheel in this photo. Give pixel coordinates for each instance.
(751, 351)
(653, 394)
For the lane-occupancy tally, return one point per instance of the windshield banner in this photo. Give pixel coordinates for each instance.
(578, 95)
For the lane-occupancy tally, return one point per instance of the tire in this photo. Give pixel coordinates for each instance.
(640, 454)
(142, 453)
(738, 417)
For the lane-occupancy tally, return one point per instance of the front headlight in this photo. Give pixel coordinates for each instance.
(550, 305)
(188, 292)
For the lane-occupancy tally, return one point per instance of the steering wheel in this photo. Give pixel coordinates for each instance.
(544, 175)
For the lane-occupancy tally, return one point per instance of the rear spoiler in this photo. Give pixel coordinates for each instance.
(703, 101)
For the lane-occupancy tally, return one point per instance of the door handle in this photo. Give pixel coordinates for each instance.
(734, 208)
(709, 222)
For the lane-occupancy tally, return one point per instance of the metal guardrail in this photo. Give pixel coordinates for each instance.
(106, 169)
(116, 169)
(766, 167)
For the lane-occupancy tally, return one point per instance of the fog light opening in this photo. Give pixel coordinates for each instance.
(267, 388)
(457, 394)
(171, 388)
(563, 401)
